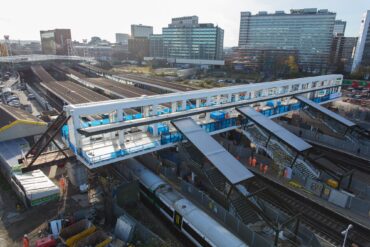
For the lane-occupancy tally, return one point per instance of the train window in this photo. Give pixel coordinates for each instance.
(187, 228)
(165, 208)
(145, 190)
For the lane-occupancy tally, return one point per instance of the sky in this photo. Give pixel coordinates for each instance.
(23, 19)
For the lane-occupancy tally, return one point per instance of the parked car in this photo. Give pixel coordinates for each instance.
(15, 103)
(31, 96)
(11, 98)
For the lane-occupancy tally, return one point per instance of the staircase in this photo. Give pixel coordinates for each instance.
(281, 156)
(243, 210)
(216, 178)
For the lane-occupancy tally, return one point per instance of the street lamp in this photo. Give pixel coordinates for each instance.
(345, 233)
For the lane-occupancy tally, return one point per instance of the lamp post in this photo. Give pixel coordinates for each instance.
(345, 234)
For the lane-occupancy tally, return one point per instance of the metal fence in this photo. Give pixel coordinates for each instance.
(146, 235)
(235, 225)
(358, 149)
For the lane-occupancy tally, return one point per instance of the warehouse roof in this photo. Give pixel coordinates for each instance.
(11, 114)
(16, 123)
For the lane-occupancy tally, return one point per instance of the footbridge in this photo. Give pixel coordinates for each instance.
(117, 136)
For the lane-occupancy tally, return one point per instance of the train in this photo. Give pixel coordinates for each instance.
(191, 221)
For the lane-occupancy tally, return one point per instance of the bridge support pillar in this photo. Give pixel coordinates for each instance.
(121, 135)
(218, 100)
(173, 107)
(183, 105)
(146, 111)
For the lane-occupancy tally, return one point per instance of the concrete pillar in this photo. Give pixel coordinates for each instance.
(121, 133)
(146, 111)
(229, 98)
(154, 110)
(208, 116)
(74, 126)
(174, 107)
(155, 125)
(197, 103)
(236, 97)
(121, 138)
(183, 105)
(208, 102)
(155, 129)
(218, 99)
(253, 94)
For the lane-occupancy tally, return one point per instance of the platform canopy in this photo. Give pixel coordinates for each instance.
(326, 112)
(228, 165)
(275, 129)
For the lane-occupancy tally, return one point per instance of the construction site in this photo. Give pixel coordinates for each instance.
(94, 158)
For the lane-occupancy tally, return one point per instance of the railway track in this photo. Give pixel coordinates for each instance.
(158, 82)
(126, 91)
(324, 223)
(347, 161)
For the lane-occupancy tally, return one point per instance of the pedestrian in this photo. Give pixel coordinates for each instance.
(62, 185)
(261, 167)
(254, 162)
(26, 241)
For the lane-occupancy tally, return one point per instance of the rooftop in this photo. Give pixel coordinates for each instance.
(11, 114)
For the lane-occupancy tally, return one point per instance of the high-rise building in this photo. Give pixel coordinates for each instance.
(138, 48)
(56, 42)
(339, 28)
(362, 53)
(308, 31)
(187, 41)
(122, 38)
(341, 57)
(141, 31)
(156, 48)
(348, 51)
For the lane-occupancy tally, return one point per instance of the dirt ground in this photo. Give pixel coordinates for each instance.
(14, 223)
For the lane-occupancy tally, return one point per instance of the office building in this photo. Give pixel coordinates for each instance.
(189, 42)
(339, 28)
(122, 38)
(138, 48)
(156, 48)
(348, 51)
(308, 31)
(362, 53)
(141, 31)
(270, 61)
(56, 42)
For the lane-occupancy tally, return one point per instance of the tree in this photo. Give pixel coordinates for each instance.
(292, 65)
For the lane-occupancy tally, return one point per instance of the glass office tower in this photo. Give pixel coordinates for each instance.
(187, 40)
(308, 31)
(362, 53)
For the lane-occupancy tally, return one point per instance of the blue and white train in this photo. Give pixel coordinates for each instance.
(194, 223)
